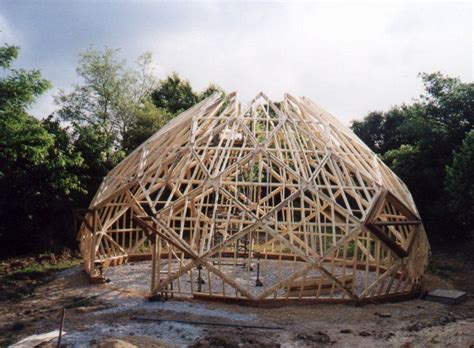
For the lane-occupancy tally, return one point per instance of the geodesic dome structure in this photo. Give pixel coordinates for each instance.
(268, 202)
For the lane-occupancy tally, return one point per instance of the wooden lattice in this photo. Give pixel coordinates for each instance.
(271, 201)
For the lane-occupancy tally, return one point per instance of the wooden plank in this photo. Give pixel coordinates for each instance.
(397, 249)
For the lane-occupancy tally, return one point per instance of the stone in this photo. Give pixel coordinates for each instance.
(383, 315)
(114, 343)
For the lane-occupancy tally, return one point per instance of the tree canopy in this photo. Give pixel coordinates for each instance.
(37, 163)
(460, 183)
(176, 95)
(110, 92)
(50, 167)
(418, 142)
(172, 96)
(147, 120)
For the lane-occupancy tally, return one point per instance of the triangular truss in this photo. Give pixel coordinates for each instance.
(267, 201)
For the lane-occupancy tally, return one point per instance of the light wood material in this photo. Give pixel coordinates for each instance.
(222, 190)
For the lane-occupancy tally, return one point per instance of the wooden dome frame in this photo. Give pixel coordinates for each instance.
(282, 190)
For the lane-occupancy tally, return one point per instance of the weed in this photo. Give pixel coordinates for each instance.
(21, 283)
(38, 270)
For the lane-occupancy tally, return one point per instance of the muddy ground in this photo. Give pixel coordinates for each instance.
(97, 312)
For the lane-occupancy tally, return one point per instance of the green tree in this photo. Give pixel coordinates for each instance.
(109, 94)
(449, 107)
(97, 150)
(148, 120)
(371, 130)
(19, 88)
(460, 184)
(417, 141)
(211, 89)
(37, 161)
(174, 94)
(381, 130)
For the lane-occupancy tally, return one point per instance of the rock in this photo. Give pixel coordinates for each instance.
(383, 315)
(346, 331)
(201, 344)
(365, 334)
(114, 343)
(416, 326)
(318, 337)
(46, 345)
(90, 309)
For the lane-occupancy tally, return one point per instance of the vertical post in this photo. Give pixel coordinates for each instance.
(258, 282)
(154, 260)
(158, 258)
(200, 281)
(246, 254)
(61, 327)
(93, 241)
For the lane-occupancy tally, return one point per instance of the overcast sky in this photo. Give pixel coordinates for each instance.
(349, 58)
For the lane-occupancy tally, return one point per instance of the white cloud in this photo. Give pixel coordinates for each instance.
(349, 58)
(44, 105)
(7, 34)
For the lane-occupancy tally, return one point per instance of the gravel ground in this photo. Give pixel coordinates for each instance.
(184, 308)
(98, 312)
(136, 276)
(171, 333)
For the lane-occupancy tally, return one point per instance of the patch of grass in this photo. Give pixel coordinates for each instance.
(39, 270)
(21, 283)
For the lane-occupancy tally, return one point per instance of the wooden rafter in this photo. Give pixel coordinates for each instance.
(283, 187)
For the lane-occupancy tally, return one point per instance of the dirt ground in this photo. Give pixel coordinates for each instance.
(101, 316)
